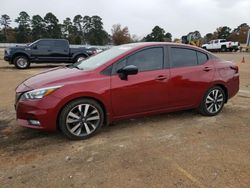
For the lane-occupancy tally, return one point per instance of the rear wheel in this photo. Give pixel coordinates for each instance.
(213, 101)
(81, 119)
(80, 58)
(223, 48)
(21, 62)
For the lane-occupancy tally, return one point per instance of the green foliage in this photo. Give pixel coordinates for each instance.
(53, 28)
(38, 27)
(24, 30)
(5, 22)
(158, 35)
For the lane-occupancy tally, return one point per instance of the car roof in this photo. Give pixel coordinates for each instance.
(148, 44)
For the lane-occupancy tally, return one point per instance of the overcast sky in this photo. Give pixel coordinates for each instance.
(176, 16)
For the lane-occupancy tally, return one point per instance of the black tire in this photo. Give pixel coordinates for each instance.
(69, 121)
(80, 58)
(223, 48)
(21, 62)
(207, 106)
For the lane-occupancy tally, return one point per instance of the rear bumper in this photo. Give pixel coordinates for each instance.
(233, 86)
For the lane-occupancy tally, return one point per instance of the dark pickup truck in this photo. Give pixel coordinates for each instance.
(45, 51)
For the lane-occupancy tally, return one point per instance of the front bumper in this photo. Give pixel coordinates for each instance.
(7, 58)
(44, 111)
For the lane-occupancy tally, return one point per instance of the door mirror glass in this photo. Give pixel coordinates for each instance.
(127, 70)
(34, 47)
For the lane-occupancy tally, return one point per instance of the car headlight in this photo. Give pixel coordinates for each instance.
(39, 93)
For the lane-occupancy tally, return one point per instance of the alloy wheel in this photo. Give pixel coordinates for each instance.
(214, 101)
(82, 120)
(22, 62)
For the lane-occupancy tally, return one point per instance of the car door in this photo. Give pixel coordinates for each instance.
(190, 76)
(60, 51)
(145, 91)
(41, 50)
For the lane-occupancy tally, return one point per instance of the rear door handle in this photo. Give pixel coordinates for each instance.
(161, 77)
(207, 69)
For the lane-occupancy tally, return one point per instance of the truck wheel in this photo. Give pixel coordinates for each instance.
(223, 48)
(21, 62)
(80, 58)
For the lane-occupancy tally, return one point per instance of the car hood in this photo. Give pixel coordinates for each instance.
(53, 77)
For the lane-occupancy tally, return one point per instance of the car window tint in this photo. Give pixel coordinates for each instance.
(182, 57)
(44, 43)
(119, 65)
(202, 58)
(148, 59)
(60, 44)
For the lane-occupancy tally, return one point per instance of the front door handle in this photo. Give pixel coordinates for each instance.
(161, 77)
(206, 69)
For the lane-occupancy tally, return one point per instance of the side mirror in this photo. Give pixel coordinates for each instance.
(34, 47)
(127, 70)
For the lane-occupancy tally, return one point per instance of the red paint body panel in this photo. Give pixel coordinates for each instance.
(142, 94)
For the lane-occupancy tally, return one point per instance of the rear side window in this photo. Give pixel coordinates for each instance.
(202, 58)
(147, 60)
(60, 44)
(182, 57)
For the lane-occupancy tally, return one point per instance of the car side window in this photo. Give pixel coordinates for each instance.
(147, 60)
(119, 65)
(44, 44)
(202, 58)
(182, 57)
(60, 44)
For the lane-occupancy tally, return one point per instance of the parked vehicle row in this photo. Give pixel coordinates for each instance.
(221, 45)
(46, 51)
(125, 81)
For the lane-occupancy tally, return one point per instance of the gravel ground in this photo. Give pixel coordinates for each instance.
(180, 149)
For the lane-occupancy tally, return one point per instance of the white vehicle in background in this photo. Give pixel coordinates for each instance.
(221, 45)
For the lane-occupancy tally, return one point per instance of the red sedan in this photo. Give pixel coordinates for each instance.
(126, 81)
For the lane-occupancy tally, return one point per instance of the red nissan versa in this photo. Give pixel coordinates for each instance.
(126, 81)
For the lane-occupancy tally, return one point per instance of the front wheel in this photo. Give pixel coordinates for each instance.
(21, 62)
(212, 102)
(81, 119)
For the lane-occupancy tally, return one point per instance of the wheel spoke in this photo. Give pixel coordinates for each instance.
(86, 110)
(75, 127)
(73, 120)
(216, 94)
(93, 118)
(92, 125)
(71, 114)
(93, 112)
(210, 107)
(87, 128)
(215, 107)
(210, 98)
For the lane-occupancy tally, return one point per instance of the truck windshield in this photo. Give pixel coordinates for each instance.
(103, 57)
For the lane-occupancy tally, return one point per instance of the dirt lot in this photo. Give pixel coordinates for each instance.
(180, 149)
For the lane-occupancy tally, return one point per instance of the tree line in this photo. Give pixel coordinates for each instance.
(89, 30)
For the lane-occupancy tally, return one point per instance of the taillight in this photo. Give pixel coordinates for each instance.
(235, 68)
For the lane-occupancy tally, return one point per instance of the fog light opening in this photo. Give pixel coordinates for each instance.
(34, 122)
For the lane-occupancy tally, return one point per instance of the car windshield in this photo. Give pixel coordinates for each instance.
(101, 58)
(30, 44)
